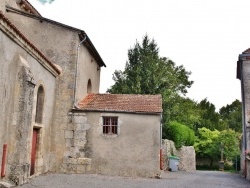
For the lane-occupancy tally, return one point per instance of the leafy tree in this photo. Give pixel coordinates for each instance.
(232, 115)
(231, 143)
(181, 134)
(208, 144)
(205, 144)
(187, 112)
(148, 73)
(209, 117)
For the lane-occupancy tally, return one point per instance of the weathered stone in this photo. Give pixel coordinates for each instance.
(80, 135)
(69, 142)
(69, 134)
(185, 153)
(81, 169)
(84, 161)
(70, 160)
(80, 142)
(71, 127)
(79, 118)
(88, 167)
(82, 127)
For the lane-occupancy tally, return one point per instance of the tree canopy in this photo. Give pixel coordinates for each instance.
(209, 143)
(146, 72)
(232, 115)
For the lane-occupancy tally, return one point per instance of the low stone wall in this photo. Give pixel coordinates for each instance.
(187, 158)
(185, 153)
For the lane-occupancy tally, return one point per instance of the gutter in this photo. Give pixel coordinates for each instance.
(115, 111)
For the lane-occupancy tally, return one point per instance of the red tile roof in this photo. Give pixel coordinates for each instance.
(122, 103)
(19, 34)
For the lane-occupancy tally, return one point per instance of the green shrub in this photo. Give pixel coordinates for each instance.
(181, 134)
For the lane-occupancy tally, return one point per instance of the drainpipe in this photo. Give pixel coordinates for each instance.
(4, 160)
(243, 57)
(161, 150)
(76, 72)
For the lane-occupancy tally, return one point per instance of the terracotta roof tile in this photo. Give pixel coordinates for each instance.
(122, 103)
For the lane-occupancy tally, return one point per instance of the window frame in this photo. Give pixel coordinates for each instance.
(110, 125)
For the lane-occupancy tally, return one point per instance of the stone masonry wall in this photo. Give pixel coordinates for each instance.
(185, 153)
(75, 158)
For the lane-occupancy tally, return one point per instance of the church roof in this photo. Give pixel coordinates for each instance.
(122, 103)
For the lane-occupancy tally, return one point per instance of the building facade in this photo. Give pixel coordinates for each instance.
(243, 74)
(47, 70)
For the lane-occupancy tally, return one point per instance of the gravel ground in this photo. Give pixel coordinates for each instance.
(180, 179)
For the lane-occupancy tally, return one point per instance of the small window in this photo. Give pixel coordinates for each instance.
(89, 87)
(110, 125)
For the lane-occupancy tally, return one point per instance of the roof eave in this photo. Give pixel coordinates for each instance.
(92, 49)
(116, 111)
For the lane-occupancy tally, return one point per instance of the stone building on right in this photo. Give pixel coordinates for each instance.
(243, 74)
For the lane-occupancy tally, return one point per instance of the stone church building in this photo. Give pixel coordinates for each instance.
(53, 118)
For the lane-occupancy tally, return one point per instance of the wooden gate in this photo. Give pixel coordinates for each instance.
(33, 151)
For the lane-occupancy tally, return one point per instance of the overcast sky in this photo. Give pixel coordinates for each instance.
(205, 36)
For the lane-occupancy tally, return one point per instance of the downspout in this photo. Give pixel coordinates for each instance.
(76, 72)
(4, 160)
(161, 150)
(241, 58)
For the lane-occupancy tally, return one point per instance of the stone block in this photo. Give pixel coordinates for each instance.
(64, 168)
(81, 169)
(69, 142)
(80, 142)
(88, 167)
(80, 134)
(69, 134)
(82, 127)
(73, 151)
(72, 168)
(69, 160)
(84, 161)
(79, 118)
(71, 127)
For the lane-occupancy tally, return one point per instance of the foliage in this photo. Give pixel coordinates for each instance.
(209, 117)
(205, 143)
(230, 141)
(209, 143)
(148, 73)
(187, 112)
(180, 134)
(232, 115)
